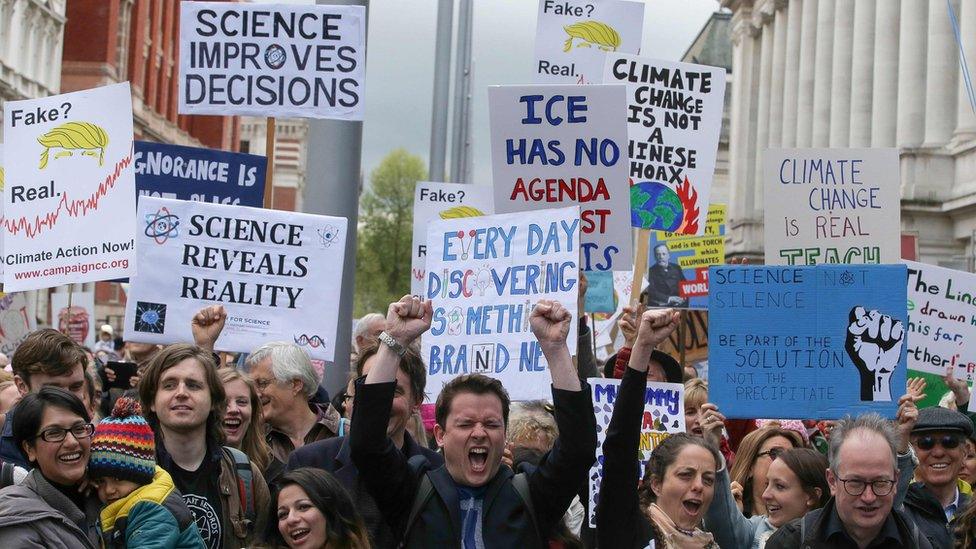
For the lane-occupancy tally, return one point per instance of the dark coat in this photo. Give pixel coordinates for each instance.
(663, 283)
(927, 512)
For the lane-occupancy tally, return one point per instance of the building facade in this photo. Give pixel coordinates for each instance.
(865, 73)
(291, 136)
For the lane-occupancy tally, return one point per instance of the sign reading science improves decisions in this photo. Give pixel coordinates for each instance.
(276, 273)
(272, 60)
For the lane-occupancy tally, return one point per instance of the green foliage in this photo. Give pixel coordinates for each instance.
(386, 232)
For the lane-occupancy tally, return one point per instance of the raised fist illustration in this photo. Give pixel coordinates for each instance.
(874, 343)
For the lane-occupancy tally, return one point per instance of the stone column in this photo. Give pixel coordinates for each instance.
(862, 71)
(884, 101)
(966, 124)
(762, 19)
(912, 71)
(822, 72)
(742, 132)
(791, 80)
(808, 52)
(940, 83)
(840, 87)
(777, 81)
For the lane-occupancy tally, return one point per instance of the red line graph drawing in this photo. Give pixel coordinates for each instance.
(74, 208)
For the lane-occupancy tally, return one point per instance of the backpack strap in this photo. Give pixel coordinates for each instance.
(424, 492)
(521, 484)
(6, 474)
(245, 482)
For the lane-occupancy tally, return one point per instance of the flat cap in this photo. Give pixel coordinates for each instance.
(942, 419)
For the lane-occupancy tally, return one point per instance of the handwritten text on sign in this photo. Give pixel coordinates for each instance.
(941, 320)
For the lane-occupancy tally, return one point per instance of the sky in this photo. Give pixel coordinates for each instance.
(400, 66)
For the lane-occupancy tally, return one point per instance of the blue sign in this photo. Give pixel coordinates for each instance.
(202, 175)
(816, 342)
(599, 292)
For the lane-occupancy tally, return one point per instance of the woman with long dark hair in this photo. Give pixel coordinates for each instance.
(313, 510)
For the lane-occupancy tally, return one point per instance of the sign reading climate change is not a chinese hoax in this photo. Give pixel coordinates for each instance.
(807, 342)
(278, 274)
(272, 60)
(70, 189)
(484, 276)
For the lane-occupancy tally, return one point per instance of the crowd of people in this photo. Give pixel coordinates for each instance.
(205, 450)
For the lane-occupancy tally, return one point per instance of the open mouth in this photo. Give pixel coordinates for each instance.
(697, 431)
(73, 457)
(232, 424)
(772, 508)
(939, 466)
(692, 506)
(299, 535)
(478, 458)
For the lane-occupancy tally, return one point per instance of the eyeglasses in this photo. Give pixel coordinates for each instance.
(57, 434)
(264, 383)
(928, 442)
(773, 452)
(855, 487)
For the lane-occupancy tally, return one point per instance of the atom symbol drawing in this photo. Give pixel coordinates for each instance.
(328, 235)
(150, 317)
(847, 278)
(162, 225)
(274, 56)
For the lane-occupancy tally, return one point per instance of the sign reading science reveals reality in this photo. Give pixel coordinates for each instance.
(484, 276)
(70, 189)
(277, 274)
(272, 60)
(557, 146)
(807, 342)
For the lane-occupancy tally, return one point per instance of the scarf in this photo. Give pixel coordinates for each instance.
(675, 538)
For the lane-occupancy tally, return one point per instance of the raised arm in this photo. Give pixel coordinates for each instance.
(406, 320)
(723, 518)
(550, 325)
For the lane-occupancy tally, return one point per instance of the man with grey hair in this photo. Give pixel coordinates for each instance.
(368, 330)
(285, 380)
(863, 480)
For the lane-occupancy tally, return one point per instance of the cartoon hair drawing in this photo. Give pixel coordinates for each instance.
(592, 33)
(86, 137)
(461, 211)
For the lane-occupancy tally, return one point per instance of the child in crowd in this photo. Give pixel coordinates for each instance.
(142, 506)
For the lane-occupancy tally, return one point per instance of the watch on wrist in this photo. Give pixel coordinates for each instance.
(388, 340)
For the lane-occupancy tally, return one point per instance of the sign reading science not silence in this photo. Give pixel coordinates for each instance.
(278, 274)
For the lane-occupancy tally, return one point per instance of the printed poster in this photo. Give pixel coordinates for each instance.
(68, 207)
(800, 342)
(558, 146)
(678, 271)
(278, 275)
(484, 276)
(204, 175)
(77, 321)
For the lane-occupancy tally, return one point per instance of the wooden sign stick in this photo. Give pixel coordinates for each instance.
(640, 264)
(269, 172)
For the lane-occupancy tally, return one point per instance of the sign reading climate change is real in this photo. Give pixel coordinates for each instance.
(278, 274)
(573, 37)
(674, 118)
(807, 342)
(556, 146)
(204, 175)
(832, 206)
(70, 190)
(484, 276)
(941, 321)
(272, 60)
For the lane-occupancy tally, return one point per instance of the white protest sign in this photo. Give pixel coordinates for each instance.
(941, 321)
(272, 60)
(484, 276)
(556, 146)
(278, 274)
(832, 206)
(664, 415)
(76, 321)
(68, 208)
(572, 38)
(441, 201)
(674, 118)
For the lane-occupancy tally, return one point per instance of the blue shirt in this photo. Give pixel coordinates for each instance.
(471, 500)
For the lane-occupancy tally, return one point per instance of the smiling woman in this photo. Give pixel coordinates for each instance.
(315, 511)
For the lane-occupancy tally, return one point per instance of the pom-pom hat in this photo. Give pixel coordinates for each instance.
(123, 445)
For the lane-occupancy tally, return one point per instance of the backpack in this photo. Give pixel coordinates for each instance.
(6, 474)
(244, 478)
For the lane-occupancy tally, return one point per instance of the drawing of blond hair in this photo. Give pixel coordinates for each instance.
(590, 33)
(83, 136)
(461, 211)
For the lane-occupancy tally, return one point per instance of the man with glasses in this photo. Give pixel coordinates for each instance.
(862, 478)
(939, 439)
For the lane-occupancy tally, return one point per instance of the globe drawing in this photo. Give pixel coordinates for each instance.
(655, 206)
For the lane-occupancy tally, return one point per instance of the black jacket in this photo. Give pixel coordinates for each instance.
(927, 512)
(333, 455)
(506, 522)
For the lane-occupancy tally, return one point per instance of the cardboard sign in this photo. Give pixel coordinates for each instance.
(600, 295)
(678, 272)
(557, 146)
(78, 321)
(204, 175)
(941, 325)
(484, 276)
(572, 38)
(664, 415)
(272, 60)
(674, 118)
(832, 206)
(278, 274)
(68, 207)
(807, 342)
(15, 322)
(441, 201)
(695, 342)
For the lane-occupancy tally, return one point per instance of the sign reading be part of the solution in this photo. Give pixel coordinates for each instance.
(941, 327)
(807, 342)
(278, 275)
(272, 60)
(832, 206)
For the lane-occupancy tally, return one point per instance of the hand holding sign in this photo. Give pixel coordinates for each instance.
(959, 387)
(408, 318)
(207, 325)
(874, 343)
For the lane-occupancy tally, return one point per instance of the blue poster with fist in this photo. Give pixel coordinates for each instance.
(817, 342)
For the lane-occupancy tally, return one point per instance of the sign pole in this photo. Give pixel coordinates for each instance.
(681, 338)
(269, 174)
(640, 264)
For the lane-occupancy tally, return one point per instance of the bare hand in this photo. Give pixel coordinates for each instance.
(207, 325)
(628, 324)
(110, 375)
(959, 388)
(408, 318)
(712, 422)
(134, 381)
(507, 456)
(656, 326)
(908, 413)
(737, 494)
(550, 321)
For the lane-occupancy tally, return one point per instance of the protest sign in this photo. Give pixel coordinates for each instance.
(76, 321)
(557, 146)
(441, 201)
(600, 296)
(804, 342)
(832, 206)
(691, 338)
(605, 332)
(278, 274)
(678, 273)
(484, 276)
(674, 117)
(664, 415)
(272, 60)
(204, 175)
(16, 323)
(2, 228)
(941, 321)
(68, 207)
(572, 38)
